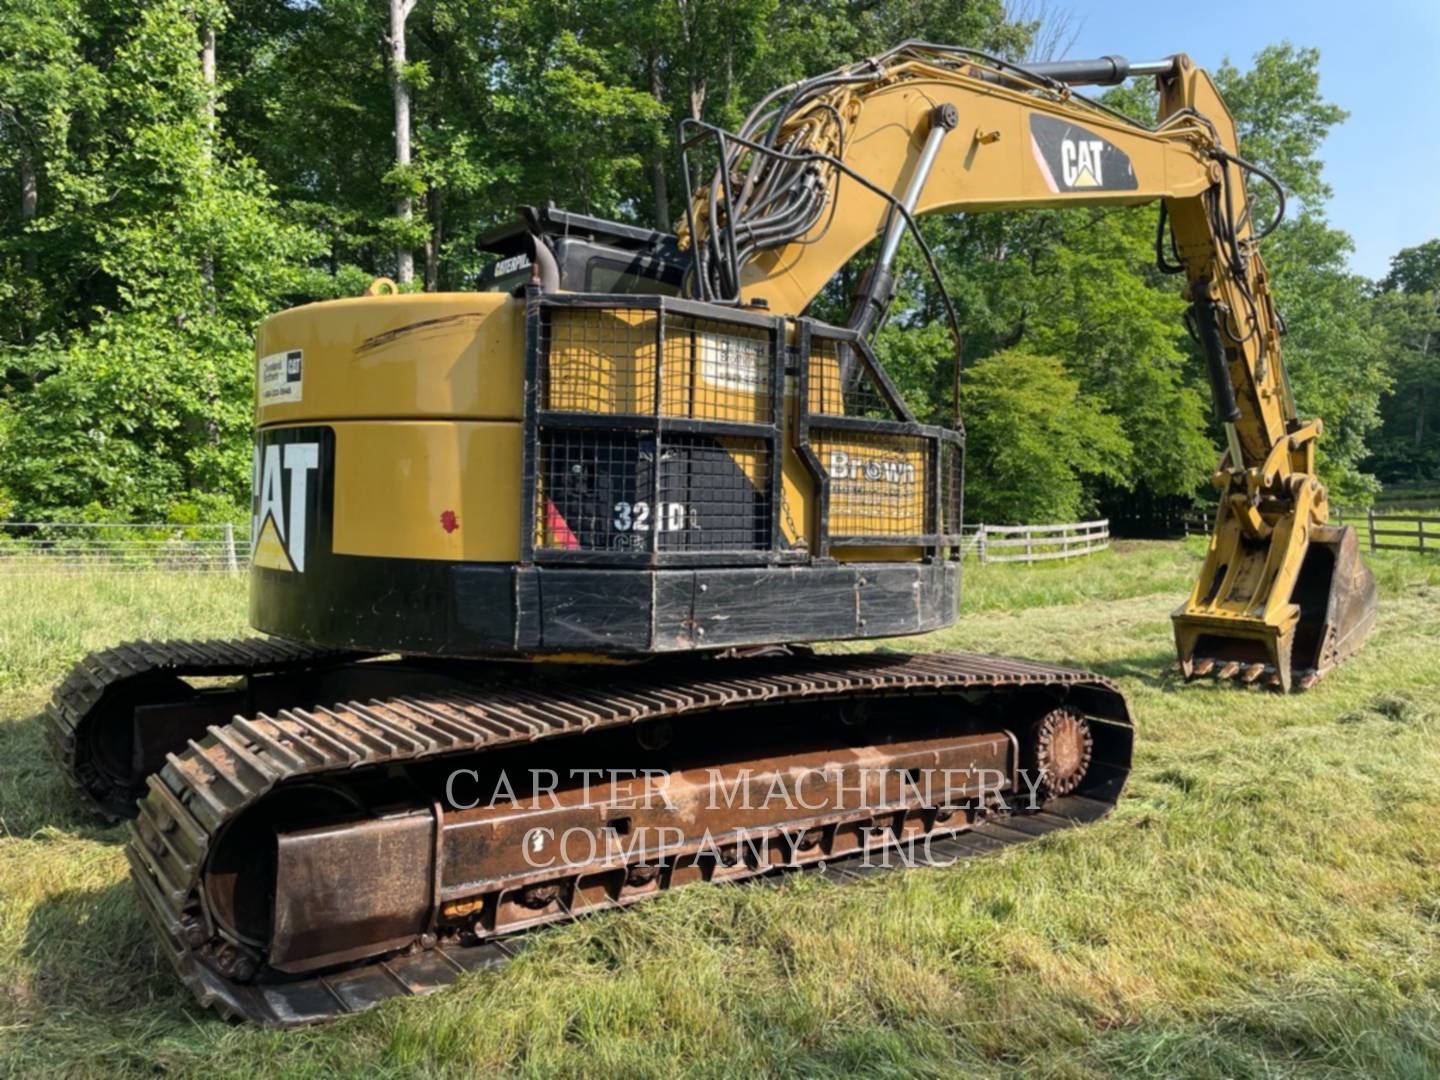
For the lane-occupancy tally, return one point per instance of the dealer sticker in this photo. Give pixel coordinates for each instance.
(733, 362)
(282, 377)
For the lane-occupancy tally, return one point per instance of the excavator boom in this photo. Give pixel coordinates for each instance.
(821, 168)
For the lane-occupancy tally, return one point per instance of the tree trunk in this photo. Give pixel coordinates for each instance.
(697, 82)
(207, 74)
(29, 203)
(399, 12)
(657, 163)
(435, 209)
(207, 259)
(1420, 398)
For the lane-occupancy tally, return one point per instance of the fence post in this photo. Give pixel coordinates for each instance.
(1029, 546)
(980, 543)
(1420, 528)
(231, 563)
(1370, 518)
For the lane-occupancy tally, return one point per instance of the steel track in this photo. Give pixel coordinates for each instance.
(79, 702)
(203, 789)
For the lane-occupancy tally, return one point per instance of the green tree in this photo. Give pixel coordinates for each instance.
(51, 94)
(1034, 441)
(140, 386)
(1406, 314)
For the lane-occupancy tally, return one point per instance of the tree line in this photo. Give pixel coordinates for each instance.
(172, 171)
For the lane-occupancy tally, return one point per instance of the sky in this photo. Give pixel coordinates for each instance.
(1379, 60)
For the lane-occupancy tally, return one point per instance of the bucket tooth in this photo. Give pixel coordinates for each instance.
(1204, 666)
(1229, 670)
(1253, 672)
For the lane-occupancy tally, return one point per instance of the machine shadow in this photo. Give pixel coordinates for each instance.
(33, 792)
(1154, 669)
(91, 951)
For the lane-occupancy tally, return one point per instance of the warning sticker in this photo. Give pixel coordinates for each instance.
(282, 377)
(734, 362)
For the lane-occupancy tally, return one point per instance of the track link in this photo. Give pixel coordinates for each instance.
(200, 791)
(79, 703)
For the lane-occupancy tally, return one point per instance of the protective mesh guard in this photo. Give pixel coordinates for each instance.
(597, 493)
(600, 360)
(658, 433)
(842, 385)
(952, 489)
(603, 360)
(878, 483)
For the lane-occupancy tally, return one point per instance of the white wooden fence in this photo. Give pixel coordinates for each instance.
(1038, 543)
(1386, 529)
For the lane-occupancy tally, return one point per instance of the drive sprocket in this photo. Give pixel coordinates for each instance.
(1063, 745)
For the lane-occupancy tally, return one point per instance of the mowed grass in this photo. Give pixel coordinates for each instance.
(1264, 902)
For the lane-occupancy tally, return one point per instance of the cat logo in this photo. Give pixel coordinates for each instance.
(1080, 163)
(278, 526)
(1071, 158)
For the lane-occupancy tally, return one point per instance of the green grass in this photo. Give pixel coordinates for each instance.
(1130, 568)
(1264, 902)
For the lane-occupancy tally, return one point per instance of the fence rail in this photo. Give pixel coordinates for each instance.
(1411, 532)
(971, 537)
(36, 547)
(1040, 543)
(1384, 530)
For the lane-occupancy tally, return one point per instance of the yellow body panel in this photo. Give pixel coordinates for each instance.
(877, 554)
(428, 490)
(797, 512)
(415, 355)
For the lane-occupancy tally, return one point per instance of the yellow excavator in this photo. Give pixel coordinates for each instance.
(536, 563)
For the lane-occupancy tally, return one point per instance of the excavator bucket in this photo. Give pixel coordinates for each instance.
(1283, 610)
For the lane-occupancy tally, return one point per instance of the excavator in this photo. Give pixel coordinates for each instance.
(536, 565)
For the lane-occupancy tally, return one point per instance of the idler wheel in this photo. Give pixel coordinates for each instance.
(1062, 746)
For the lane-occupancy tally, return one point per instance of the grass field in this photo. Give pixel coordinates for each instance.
(1264, 902)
